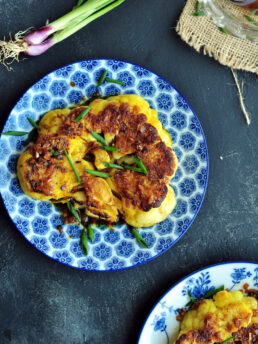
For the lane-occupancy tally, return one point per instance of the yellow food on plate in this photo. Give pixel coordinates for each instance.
(228, 316)
(70, 161)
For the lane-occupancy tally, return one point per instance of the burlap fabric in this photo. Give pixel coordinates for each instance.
(204, 36)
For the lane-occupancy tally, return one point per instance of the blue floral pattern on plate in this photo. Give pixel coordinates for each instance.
(161, 326)
(118, 249)
(15, 187)
(59, 88)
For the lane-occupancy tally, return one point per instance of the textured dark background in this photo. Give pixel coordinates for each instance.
(42, 301)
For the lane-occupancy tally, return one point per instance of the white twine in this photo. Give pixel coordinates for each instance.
(241, 98)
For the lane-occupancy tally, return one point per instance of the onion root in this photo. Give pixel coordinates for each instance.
(10, 50)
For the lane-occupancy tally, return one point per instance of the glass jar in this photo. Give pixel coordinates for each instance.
(232, 17)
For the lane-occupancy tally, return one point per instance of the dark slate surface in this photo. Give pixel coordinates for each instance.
(42, 301)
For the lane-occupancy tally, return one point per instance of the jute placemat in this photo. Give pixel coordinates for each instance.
(204, 36)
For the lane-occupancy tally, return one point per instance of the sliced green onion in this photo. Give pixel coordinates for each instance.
(254, 11)
(189, 304)
(139, 238)
(82, 114)
(35, 125)
(113, 81)
(198, 14)
(73, 211)
(102, 226)
(54, 152)
(92, 98)
(139, 162)
(15, 133)
(250, 19)
(212, 292)
(84, 241)
(227, 340)
(197, 7)
(222, 29)
(113, 165)
(98, 137)
(89, 100)
(111, 149)
(192, 299)
(91, 232)
(136, 169)
(32, 137)
(102, 78)
(97, 173)
(72, 165)
(208, 295)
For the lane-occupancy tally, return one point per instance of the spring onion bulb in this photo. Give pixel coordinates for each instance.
(36, 42)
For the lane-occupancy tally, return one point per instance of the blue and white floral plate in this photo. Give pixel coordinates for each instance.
(111, 250)
(161, 326)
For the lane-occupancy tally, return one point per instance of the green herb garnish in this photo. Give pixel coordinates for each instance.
(89, 100)
(102, 226)
(113, 165)
(113, 81)
(98, 137)
(111, 149)
(198, 14)
(197, 7)
(92, 98)
(84, 241)
(250, 19)
(35, 125)
(212, 292)
(15, 133)
(97, 173)
(91, 232)
(139, 238)
(227, 340)
(72, 165)
(139, 162)
(132, 168)
(82, 114)
(192, 299)
(54, 152)
(254, 11)
(208, 295)
(73, 211)
(222, 29)
(102, 78)
(32, 137)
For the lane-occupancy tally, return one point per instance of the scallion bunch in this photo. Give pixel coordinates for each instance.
(36, 42)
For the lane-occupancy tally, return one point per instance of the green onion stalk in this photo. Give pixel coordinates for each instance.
(36, 42)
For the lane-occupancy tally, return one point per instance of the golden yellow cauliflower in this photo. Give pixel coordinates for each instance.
(131, 128)
(228, 314)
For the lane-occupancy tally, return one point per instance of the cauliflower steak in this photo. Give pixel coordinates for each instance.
(131, 130)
